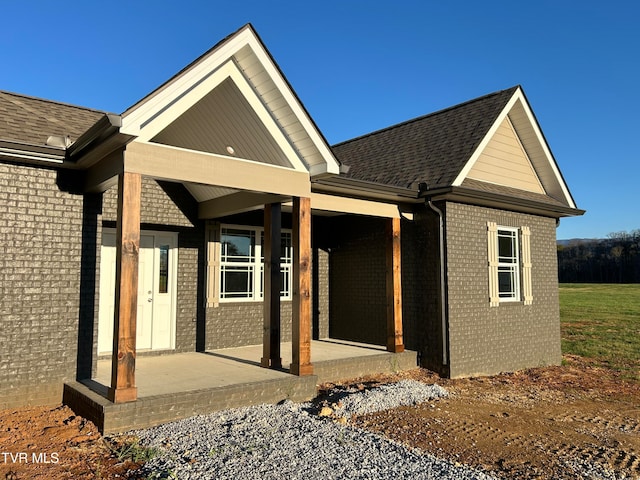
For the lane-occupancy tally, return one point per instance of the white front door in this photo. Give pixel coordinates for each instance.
(155, 327)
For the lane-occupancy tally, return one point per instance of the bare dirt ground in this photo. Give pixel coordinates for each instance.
(526, 425)
(522, 425)
(53, 443)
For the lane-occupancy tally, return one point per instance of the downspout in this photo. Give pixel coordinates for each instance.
(443, 298)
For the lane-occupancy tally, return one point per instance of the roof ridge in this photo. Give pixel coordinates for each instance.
(422, 117)
(54, 102)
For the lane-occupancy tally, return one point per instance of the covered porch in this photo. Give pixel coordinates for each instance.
(230, 132)
(171, 387)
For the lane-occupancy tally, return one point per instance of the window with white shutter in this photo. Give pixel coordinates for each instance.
(509, 262)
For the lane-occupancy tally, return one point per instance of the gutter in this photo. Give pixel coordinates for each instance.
(443, 291)
(364, 189)
(36, 153)
(104, 134)
(503, 201)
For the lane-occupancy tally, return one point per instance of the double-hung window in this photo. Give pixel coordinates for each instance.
(242, 264)
(509, 264)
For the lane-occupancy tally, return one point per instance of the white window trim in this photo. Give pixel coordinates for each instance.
(257, 264)
(514, 233)
(523, 265)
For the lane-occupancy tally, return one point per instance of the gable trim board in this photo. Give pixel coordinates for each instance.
(231, 59)
(518, 112)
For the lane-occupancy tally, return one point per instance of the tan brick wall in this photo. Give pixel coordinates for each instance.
(512, 336)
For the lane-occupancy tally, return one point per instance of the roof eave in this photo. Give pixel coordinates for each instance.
(500, 201)
(364, 189)
(31, 153)
(101, 139)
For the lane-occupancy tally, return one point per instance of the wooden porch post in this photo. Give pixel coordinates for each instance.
(123, 360)
(271, 328)
(394, 287)
(301, 318)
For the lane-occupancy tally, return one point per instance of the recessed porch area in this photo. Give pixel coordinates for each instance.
(171, 387)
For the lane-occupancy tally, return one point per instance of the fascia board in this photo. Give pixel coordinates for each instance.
(138, 115)
(503, 202)
(331, 164)
(185, 80)
(545, 148)
(33, 153)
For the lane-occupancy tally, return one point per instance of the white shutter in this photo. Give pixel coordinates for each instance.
(492, 251)
(212, 235)
(527, 289)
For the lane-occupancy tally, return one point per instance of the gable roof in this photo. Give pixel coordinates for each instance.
(438, 152)
(239, 81)
(433, 148)
(30, 120)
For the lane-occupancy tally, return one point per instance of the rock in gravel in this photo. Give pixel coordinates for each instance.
(358, 401)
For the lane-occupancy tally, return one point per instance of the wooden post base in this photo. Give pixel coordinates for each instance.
(122, 395)
(271, 363)
(302, 370)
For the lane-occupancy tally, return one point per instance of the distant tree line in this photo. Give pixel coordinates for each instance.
(615, 259)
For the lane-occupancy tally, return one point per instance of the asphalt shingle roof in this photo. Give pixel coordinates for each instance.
(32, 120)
(432, 149)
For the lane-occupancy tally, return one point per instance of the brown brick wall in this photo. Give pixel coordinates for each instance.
(484, 339)
(421, 304)
(235, 324)
(357, 288)
(241, 323)
(40, 258)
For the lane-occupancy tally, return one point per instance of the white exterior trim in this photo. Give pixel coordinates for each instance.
(518, 98)
(175, 97)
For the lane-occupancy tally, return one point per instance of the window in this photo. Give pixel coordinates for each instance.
(509, 264)
(242, 264)
(163, 274)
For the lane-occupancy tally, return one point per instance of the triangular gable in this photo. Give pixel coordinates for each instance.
(505, 162)
(233, 101)
(519, 116)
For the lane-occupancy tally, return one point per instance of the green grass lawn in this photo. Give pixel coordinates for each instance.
(602, 322)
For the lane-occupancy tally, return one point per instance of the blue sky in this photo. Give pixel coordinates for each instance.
(360, 65)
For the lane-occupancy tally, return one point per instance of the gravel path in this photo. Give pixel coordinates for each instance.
(290, 441)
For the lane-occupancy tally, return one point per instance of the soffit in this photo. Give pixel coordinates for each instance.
(202, 193)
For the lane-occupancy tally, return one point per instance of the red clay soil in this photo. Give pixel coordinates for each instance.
(53, 443)
(521, 425)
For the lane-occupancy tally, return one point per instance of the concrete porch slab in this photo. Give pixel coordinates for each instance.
(171, 387)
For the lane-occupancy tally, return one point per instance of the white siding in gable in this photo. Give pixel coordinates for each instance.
(505, 162)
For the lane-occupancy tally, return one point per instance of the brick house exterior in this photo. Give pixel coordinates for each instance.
(427, 178)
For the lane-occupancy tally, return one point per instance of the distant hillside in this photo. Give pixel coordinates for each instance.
(578, 240)
(615, 259)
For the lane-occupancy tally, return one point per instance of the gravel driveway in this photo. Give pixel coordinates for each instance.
(291, 441)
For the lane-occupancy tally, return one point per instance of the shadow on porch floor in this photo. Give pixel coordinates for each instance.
(176, 386)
